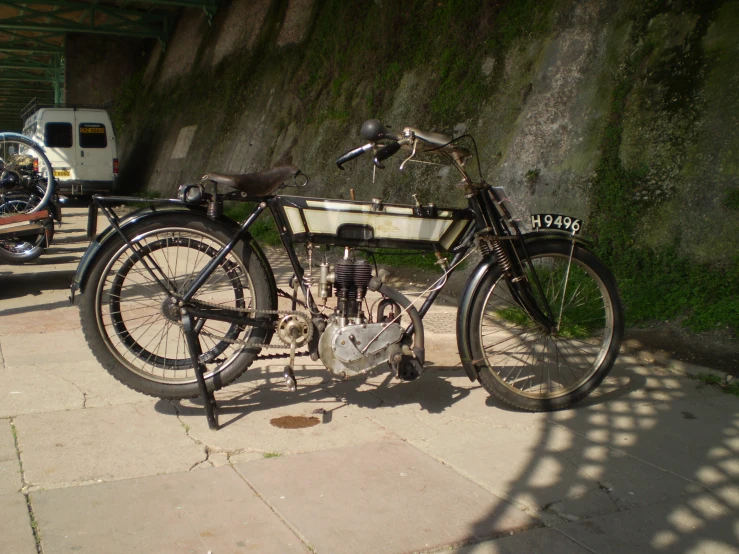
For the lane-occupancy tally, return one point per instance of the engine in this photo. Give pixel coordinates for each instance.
(351, 345)
(351, 281)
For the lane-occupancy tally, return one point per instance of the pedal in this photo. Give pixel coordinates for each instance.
(289, 376)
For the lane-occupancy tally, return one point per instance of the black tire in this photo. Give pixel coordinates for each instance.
(526, 367)
(121, 309)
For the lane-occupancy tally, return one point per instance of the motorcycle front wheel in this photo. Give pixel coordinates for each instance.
(535, 369)
(128, 322)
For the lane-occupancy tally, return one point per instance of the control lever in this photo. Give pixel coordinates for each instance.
(384, 153)
(417, 209)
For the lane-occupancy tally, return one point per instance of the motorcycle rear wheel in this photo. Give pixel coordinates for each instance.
(533, 369)
(123, 309)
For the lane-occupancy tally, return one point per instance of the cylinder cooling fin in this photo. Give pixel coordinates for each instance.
(352, 279)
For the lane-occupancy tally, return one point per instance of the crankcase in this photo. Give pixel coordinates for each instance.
(341, 348)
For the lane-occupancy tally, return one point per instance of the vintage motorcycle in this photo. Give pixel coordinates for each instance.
(180, 300)
(29, 205)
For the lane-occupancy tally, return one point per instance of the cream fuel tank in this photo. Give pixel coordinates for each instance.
(373, 224)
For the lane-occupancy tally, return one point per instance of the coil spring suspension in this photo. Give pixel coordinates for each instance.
(488, 245)
(500, 254)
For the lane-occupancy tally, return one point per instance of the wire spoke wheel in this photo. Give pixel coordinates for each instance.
(25, 175)
(538, 369)
(131, 319)
(140, 324)
(21, 156)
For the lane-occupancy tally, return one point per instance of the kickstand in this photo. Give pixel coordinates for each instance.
(193, 345)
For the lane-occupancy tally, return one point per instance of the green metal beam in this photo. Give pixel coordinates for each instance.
(26, 77)
(118, 21)
(21, 88)
(30, 64)
(38, 44)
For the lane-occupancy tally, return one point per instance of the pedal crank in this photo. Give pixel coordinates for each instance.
(290, 382)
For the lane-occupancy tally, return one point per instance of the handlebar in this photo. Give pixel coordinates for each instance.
(374, 131)
(385, 152)
(353, 154)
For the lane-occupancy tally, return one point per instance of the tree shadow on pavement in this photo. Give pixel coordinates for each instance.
(653, 468)
(263, 389)
(13, 285)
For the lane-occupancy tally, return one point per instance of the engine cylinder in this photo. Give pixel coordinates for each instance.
(352, 279)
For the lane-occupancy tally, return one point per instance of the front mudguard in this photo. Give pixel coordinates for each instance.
(97, 246)
(472, 287)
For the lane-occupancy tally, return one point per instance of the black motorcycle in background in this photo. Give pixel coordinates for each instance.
(29, 205)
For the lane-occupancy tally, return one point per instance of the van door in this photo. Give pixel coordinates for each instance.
(55, 128)
(94, 158)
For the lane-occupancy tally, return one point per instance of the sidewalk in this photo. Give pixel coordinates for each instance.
(648, 463)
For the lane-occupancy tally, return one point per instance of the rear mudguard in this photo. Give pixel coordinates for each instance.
(473, 285)
(97, 246)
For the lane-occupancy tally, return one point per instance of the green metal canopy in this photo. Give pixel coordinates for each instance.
(32, 41)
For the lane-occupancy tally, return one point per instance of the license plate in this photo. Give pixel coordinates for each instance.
(61, 173)
(556, 221)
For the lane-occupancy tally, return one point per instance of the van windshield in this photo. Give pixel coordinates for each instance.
(58, 135)
(93, 135)
(30, 129)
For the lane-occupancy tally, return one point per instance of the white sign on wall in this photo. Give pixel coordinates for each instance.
(184, 140)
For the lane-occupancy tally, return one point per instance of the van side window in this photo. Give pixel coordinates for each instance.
(93, 135)
(58, 135)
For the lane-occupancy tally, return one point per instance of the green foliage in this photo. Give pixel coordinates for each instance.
(363, 43)
(263, 229)
(125, 101)
(732, 387)
(731, 199)
(532, 176)
(271, 455)
(580, 315)
(656, 284)
(401, 258)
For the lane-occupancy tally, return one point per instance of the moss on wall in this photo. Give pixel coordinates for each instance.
(623, 113)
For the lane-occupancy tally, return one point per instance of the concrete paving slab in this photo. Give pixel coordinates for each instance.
(120, 442)
(48, 349)
(704, 523)
(16, 536)
(7, 444)
(211, 510)
(10, 477)
(35, 389)
(379, 497)
(628, 481)
(693, 438)
(550, 541)
(541, 481)
(249, 407)
(97, 385)
(34, 318)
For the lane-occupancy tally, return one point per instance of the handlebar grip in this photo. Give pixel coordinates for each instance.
(384, 153)
(355, 153)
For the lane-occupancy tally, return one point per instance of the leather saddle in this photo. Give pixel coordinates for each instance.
(259, 184)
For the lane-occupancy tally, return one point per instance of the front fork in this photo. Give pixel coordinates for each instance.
(496, 240)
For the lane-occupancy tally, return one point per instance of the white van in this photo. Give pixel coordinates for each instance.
(80, 144)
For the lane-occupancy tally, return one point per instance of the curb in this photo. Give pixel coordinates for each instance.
(676, 366)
